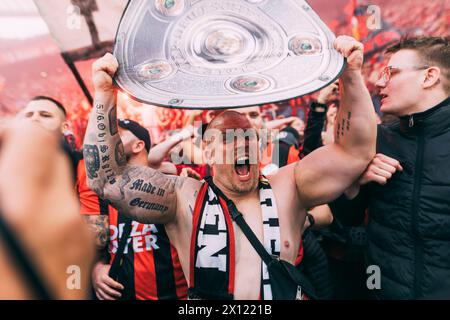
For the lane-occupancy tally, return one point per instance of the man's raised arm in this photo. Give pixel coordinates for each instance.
(142, 193)
(327, 172)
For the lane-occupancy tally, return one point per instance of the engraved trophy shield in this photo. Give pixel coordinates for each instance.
(207, 54)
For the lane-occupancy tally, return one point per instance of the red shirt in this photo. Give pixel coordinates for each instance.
(151, 269)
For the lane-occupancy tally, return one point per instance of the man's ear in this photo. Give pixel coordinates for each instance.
(65, 126)
(432, 77)
(138, 146)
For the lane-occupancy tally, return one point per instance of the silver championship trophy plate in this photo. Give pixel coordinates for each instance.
(206, 54)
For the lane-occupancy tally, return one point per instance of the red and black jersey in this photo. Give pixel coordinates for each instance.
(151, 269)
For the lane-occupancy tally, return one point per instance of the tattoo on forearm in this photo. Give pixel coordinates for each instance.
(100, 117)
(110, 176)
(112, 116)
(92, 160)
(100, 228)
(120, 154)
(104, 149)
(142, 192)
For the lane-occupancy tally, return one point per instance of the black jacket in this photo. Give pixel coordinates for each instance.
(409, 218)
(313, 129)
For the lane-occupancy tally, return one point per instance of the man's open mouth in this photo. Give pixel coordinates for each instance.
(242, 166)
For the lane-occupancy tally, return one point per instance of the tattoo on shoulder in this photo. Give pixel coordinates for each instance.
(123, 183)
(92, 160)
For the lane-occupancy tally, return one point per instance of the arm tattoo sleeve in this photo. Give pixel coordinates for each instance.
(141, 193)
(100, 228)
(92, 160)
(145, 194)
(103, 150)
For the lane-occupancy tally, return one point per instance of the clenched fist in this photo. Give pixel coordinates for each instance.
(103, 71)
(380, 170)
(351, 49)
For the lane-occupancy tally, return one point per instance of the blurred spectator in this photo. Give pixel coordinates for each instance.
(184, 150)
(50, 114)
(47, 112)
(46, 250)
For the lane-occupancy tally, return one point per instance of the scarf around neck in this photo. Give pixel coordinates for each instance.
(212, 255)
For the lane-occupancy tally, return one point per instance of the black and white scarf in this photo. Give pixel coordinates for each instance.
(212, 259)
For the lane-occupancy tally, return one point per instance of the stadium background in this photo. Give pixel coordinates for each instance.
(31, 62)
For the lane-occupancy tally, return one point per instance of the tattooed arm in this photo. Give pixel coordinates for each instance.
(142, 193)
(93, 210)
(327, 172)
(99, 226)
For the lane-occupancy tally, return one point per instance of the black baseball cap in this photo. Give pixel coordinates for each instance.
(139, 131)
(289, 136)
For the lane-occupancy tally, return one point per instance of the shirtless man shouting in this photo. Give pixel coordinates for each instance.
(217, 258)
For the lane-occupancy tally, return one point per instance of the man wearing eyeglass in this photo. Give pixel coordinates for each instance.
(407, 185)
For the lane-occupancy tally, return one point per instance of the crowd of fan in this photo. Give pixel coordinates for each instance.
(334, 240)
(379, 224)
